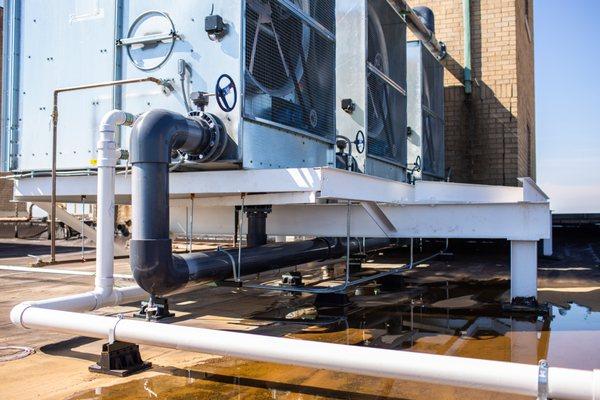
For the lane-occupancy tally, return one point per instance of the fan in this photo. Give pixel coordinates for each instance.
(287, 80)
(384, 72)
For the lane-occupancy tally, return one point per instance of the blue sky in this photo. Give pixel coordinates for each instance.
(567, 62)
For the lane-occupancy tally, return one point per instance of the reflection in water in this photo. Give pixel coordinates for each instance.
(446, 320)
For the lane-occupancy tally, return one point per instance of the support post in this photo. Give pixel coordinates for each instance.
(257, 225)
(523, 269)
(547, 243)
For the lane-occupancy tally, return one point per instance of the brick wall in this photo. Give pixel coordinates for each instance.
(490, 135)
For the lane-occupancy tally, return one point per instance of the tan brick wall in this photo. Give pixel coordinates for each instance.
(486, 132)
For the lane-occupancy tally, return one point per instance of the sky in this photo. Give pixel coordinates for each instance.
(567, 66)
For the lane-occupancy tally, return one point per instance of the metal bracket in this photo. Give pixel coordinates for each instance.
(542, 380)
(379, 217)
(111, 330)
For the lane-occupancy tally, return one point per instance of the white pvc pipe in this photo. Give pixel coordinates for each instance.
(499, 376)
(88, 301)
(108, 155)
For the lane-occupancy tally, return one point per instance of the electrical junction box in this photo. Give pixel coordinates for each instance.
(425, 112)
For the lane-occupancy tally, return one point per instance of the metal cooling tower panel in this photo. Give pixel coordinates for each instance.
(425, 111)
(386, 83)
(433, 114)
(290, 65)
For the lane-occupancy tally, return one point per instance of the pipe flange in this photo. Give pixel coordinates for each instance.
(217, 137)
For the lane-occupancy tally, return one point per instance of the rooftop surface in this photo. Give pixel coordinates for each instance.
(446, 307)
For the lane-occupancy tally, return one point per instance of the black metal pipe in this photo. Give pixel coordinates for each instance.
(154, 136)
(422, 32)
(218, 265)
(257, 225)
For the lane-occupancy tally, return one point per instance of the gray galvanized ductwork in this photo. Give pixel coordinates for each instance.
(155, 135)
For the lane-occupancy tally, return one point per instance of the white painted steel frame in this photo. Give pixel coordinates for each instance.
(323, 183)
(304, 203)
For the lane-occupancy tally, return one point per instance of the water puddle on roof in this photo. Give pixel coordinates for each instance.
(464, 321)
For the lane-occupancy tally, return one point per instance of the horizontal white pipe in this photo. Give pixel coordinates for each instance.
(88, 301)
(457, 371)
(17, 268)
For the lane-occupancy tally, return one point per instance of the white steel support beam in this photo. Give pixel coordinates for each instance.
(379, 217)
(70, 220)
(523, 268)
(519, 221)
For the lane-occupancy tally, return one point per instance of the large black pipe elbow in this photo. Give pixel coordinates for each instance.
(157, 133)
(154, 136)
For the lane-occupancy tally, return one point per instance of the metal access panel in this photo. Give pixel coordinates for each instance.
(50, 44)
(425, 112)
(279, 54)
(371, 71)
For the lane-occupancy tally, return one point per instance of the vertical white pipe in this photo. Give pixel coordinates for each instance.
(108, 155)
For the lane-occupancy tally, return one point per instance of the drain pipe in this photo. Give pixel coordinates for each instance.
(108, 156)
(55, 96)
(154, 136)
(467, 44)
(104, 293)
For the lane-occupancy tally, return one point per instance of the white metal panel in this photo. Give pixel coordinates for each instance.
(351, 71)
(531, 191)
(182, 184)
(63, 43)
(208, 59)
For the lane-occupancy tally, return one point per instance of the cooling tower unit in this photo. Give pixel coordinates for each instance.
(371, 71)
(263, 71)
(425, 112)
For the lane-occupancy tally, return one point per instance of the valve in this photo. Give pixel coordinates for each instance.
(359, 142)
(224, 87)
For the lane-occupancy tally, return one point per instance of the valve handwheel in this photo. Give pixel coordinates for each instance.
(224, 88)
(359, 142)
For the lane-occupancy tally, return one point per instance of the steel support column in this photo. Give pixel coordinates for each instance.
(523, 269)
(547, 243)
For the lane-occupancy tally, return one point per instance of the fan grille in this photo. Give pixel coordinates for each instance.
(386, 97)
(433, 114)
(290, 64)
